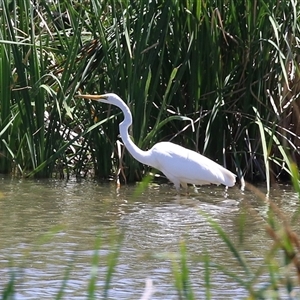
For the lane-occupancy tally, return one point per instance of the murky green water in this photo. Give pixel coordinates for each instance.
(153, 223)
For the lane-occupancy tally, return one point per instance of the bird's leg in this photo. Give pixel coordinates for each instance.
(185, 187)
(177, 187)
(195, 189)
(225, 192)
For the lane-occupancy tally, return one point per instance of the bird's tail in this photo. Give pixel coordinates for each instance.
(229, 178)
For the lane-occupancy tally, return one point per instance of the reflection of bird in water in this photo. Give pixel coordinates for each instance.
(182, 166)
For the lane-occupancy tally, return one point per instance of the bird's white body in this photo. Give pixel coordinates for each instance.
(181, 165)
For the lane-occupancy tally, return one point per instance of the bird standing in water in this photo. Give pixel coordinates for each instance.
(180, 165)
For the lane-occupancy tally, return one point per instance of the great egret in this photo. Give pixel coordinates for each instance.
(179, 164)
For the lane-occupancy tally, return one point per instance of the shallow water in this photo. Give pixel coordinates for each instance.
(49, 226)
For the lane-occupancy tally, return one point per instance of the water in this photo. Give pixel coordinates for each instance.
(50, 226)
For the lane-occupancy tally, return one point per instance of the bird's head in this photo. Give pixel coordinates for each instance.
(109, 98)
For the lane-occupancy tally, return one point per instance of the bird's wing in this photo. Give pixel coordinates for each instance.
(189, 166)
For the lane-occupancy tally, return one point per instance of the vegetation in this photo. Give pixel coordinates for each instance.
(231, 66)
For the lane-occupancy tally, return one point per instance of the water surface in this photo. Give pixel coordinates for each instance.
(52, 225)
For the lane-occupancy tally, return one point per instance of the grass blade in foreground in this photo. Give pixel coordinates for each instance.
(181, 275)
(112, 260)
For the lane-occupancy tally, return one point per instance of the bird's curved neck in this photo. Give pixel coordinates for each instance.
(134, 150)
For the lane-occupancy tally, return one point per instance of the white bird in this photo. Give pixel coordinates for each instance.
(180, 165)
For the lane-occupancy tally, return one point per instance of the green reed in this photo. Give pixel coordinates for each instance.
(38, 96)
(212, 62)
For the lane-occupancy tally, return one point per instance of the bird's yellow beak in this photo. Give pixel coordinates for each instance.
(92, 97)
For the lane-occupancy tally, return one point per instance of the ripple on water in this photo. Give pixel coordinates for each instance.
(153, 223)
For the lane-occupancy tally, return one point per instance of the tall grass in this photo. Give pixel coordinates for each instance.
(222, 64)
(40, 140)
(214, 63)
